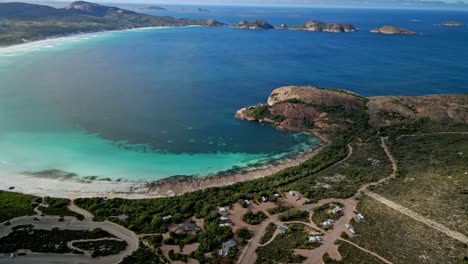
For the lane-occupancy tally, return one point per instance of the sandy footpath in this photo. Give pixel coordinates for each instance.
(135, 190)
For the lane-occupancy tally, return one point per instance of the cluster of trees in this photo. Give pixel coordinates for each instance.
(252, 218)
(270, 230)
(15, 204)
(293, 215)
(58, 206)
(102, 247)
(145, 255)
(47, 241)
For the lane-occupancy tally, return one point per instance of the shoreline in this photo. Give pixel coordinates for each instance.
(67, 37)
(73, 189)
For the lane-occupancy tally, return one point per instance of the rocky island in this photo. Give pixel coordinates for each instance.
(319, 26)
(453, 24)
(153, 8)
(326, 111)
(315, 26)
(256, 25)
(393, 30)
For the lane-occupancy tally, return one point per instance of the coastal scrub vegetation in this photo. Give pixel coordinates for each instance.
(46, 241)
(15, 204)
(294, 215)
(58, 206)
(281, 249)
(102, 248)
(145, 255)
(384, 228)
(263, 111)
(252, 218)
(21, 22)
(269, 232)
(351, 255)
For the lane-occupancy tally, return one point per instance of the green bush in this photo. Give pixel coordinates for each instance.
(252, 218)
(294, 215)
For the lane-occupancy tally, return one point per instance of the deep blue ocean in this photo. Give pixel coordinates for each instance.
(149, 104)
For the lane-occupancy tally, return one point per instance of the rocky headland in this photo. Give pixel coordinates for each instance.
(393, 30)
(326, 111)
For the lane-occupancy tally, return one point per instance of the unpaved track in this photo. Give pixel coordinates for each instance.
(70, 223)
(87, 215)
(456, 235)
(249, 255)
(367, 251)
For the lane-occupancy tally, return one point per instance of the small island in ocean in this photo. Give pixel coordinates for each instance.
(393, 30)
(315, 26)
(256, 25)
(319, 26)
(453, 24)
(153, 8)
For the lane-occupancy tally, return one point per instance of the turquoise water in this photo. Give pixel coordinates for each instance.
(150, 104)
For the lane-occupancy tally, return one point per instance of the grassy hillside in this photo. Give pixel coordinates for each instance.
(21, 22)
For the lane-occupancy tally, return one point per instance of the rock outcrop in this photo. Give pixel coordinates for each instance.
(319, 26)
(325, 111)
(453, 24)
(96, 9)
(393, 30)
(391, 110)
(258, 24)
(316, 26)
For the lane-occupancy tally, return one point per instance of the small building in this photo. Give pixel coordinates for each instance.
(186, 228)
(225, 225)
(277, 195)
(314, 239)
(338, 210)
(359, 217)
(222, 210)
(351, 229)
(227, 247)
(264, 199)
(224, 218)
(328, 223)
(247, 203)
(283, 230)
(294, 193)
(123, 217)
(102, 202)
(167, 217)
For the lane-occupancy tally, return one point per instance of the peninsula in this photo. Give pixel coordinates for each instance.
(22, 22)
(327, 111)
(393, 30)
(373, 183)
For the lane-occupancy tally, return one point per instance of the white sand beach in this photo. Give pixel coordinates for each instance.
(73, 189)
